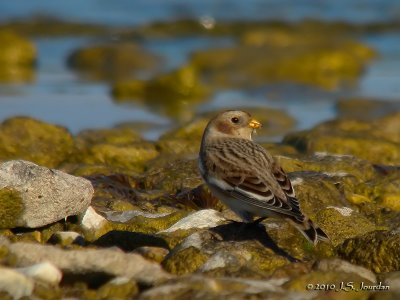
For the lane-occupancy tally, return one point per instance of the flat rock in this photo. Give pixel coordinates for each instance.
(15, 284)
(109, 261)
(35, 196)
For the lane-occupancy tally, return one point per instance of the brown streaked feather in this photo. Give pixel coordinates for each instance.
(245, 166)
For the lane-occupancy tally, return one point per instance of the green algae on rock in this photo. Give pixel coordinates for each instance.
(365, 109)
(111, 62)
(328, 63)
(36, 141)
(376, 141)
(17, 57)
(121, 149)
(170, 94)
(11, 207)
(341, 223)
(378, 251)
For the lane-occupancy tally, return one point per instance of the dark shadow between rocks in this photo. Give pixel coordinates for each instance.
(93, 279)
(238, 231)
(129, 241)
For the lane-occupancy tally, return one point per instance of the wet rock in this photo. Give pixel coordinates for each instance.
(226, 250)
(322, 62)
(17, 57)
(365, 109)
(378, 251)
(74, 262)
(15, 284)
(44, 272)
(40, 25)
(171, 94)
(111, 61)
(172, 174)
(94, 225)
(350, 137)
(35, 196)
(330, 165)
(36, 141)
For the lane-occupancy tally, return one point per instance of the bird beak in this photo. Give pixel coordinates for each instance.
(254, 124)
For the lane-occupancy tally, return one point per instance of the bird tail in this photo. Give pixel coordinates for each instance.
(310, 231)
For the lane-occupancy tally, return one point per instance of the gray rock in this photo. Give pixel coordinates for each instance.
(340, 265)
(15, 284)
(38, 196)
(109, 261)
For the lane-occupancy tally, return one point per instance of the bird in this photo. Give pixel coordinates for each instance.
(245, 177)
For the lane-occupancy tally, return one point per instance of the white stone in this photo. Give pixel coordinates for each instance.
(44, 271)
(205, 218)
(15, 283)
(91, 220)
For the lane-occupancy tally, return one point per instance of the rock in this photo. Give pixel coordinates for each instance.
(339, 265)
(341, 223)
(35, 196)
(349, 137)
(172, 174)
(15, 284)
(17, 57)
(205, 218)
(226, 250)
(322, 62)
(111, 61)
(156, 254)
(44, 272)
(365, 109)
(105, 261)
(378, 251)
(202, 287)
(66, 238)
(172, 94)
(36, 141)
(117, 288)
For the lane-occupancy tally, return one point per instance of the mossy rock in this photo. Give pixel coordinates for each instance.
(131, 157)
(115, 136)
(330, 165)
(111, 61)
(42, 143)
(325, 64)
(341, 223)
(172, 174)
(17, 57)
(11, 208)
(365, 109)
(185, 261)
(378, 251)
(171, 94)
(48, 26)
(376, 141)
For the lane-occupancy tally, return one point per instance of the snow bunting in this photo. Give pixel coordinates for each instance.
(245, 177)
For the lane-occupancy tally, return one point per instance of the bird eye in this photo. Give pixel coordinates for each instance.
(235, 120)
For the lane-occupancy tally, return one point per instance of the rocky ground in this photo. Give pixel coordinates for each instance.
(106, 214)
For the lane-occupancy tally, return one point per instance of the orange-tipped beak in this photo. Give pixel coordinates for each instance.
(255, 124)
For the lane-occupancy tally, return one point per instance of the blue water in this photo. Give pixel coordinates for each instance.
(60, 96)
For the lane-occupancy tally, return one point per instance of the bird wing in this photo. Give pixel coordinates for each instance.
(249, 173)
